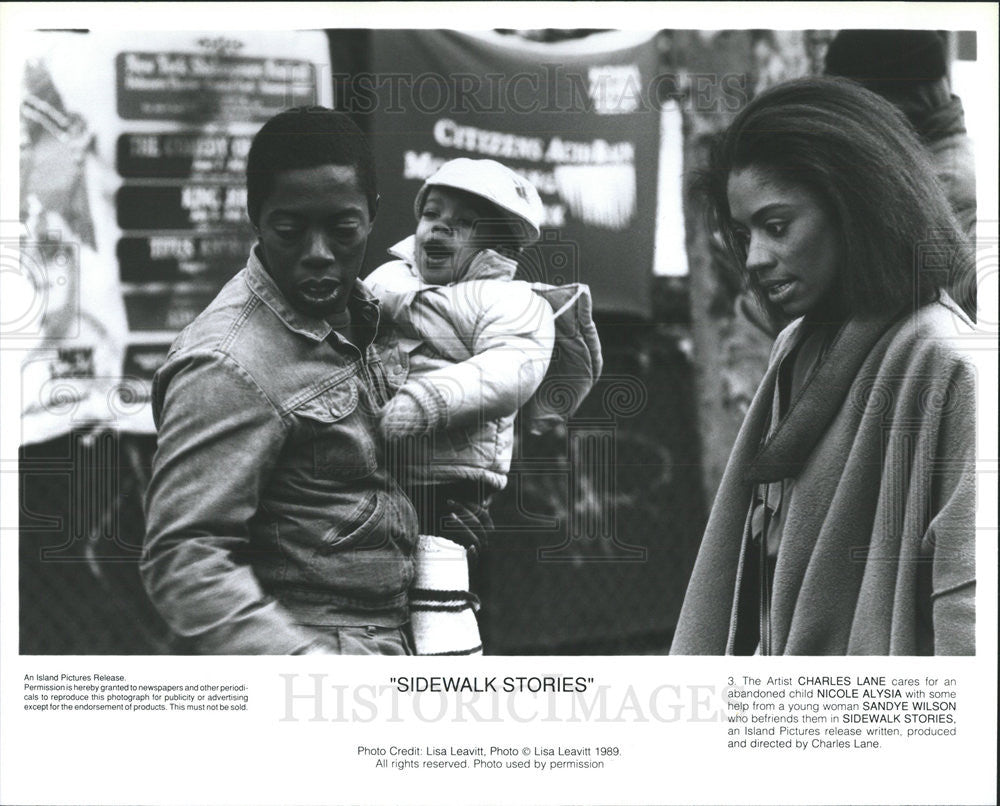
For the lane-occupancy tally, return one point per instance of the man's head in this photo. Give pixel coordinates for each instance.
(885, 61)
(311, 198)
(908, 68)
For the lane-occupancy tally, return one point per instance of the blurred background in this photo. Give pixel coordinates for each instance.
(133, 216)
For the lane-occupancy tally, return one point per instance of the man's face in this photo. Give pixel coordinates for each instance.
(313, 230)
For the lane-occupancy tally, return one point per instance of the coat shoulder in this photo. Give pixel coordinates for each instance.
(209, 329)
(935, 332)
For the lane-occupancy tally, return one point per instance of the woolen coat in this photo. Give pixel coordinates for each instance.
(877, 555)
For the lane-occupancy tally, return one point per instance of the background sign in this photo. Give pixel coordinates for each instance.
(209, 84)
(133, 202)
(579, 120)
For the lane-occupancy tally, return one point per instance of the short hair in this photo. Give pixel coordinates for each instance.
(307, 137)
(855, 153)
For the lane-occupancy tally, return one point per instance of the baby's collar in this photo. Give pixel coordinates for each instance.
(406, 250)
(487, 265)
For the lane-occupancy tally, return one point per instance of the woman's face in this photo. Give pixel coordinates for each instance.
(792, 248)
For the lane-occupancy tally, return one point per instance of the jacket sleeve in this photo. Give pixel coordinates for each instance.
(218, 438)
(951, 534)
(509, 346)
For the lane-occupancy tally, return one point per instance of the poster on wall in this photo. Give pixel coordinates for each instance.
(133, 202)
(579, 119)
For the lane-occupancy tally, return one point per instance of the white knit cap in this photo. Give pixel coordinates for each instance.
(494, 182)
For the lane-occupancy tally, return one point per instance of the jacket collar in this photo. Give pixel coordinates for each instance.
(406, 251)
(818, 401)
(262, 285)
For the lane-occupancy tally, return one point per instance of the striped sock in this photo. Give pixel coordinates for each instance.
(442, 609)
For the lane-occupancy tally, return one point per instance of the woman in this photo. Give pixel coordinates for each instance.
(844, 523)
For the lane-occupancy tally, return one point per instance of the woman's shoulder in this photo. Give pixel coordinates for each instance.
(937, 332)
(941, 321)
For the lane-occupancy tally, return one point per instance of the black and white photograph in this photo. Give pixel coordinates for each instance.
(584, 367)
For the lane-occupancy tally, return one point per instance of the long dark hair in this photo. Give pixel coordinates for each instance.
(857, 155)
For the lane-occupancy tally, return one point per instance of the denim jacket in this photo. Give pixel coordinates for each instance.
(270, 515)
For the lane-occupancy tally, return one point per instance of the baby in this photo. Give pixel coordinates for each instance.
(475, 345)
(476, 342)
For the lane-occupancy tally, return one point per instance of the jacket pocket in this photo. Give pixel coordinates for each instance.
(395, 356)
(359, 559)
(331, 405)
(356, 526)
(340, 433)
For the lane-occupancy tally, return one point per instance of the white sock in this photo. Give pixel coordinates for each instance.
(442, 609)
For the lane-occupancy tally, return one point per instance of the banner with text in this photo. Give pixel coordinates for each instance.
(579, 119)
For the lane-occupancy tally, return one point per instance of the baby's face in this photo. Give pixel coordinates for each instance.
(453, 227)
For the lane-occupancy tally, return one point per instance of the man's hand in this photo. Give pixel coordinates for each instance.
(468, 525)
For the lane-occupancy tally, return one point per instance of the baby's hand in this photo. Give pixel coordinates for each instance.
(402, 416)
(416, 409)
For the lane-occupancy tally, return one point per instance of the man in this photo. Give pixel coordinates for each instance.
(272, 524)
